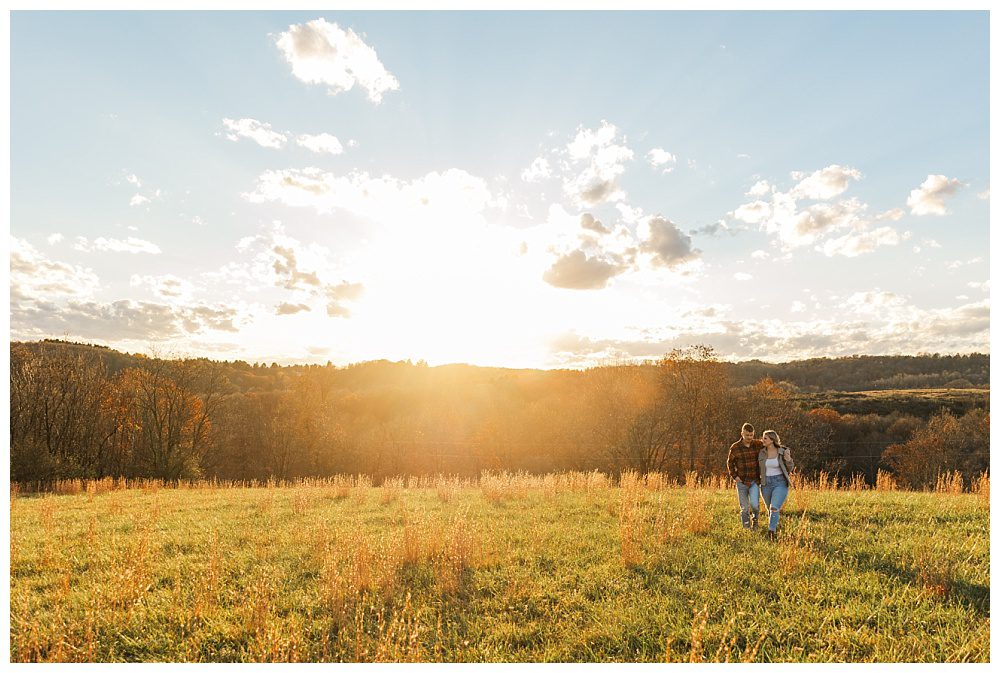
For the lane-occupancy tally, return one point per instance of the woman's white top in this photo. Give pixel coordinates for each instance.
(771, 467)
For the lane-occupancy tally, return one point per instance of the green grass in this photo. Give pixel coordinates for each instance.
(528, 574)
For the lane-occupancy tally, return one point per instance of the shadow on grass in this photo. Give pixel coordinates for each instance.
(975, 597)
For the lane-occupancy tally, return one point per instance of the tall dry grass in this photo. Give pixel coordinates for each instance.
(884, 481)
(723, 653)
(391, 489)
(949, 482)
(496, 486)
(630, 528)
(696, 516)
(981, 487)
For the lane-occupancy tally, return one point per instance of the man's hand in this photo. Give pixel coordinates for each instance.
(738, 480)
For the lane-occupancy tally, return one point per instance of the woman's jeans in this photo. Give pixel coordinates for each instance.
(749, 496)
(775, 492)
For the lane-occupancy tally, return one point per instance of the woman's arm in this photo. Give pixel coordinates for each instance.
(788, 458)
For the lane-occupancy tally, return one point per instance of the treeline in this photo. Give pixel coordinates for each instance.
(78, 412)
(849, 374)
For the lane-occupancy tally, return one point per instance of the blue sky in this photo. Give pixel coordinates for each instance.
(777, 184)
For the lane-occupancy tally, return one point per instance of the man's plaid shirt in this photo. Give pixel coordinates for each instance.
(742, 461)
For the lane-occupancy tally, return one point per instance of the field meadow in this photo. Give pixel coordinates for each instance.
(569, 567)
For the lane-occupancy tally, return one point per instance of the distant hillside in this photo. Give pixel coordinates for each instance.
(921, 403)
(848, 374)
(871, 372)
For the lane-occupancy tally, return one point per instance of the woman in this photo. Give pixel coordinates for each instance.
(775, 463)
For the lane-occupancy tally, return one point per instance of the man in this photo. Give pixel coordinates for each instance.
(745, 471)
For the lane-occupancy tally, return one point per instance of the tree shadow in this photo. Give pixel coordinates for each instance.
(973, 596)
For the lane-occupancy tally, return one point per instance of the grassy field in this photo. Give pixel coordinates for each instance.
(922, 402)
(556, 568)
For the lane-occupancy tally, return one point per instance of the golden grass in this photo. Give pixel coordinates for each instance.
(496, 486)
(949, 482)
(728, 639)
(885, 482)
(981, 487)
(391, 490)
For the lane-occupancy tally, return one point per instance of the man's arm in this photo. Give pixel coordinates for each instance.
(731, 466)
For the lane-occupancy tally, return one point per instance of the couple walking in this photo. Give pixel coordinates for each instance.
(760, 468)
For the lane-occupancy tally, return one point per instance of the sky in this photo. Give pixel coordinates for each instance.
(515, 189)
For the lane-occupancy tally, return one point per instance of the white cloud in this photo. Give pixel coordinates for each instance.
(52, 239)
(880, 323)
(308, 271)
(984, 195)
(837, 228)
(290, 275)
(324, 143)
(895, 214)
(753, 213)
(876, 301)
(33, 275)
(591, 223)
(712, 229)
(659, 157)
(133, 179)
(929, 197)
(232, 273)
(825, 183)
(323, 53)
(664, 242)
(759, 254)
(138, 200)
(629, 214)
(602, 161)
(538, 170)
(338, 298)
(798, 307)
(130, 244)
(123, 319)
(860, 242)
(742, 276)
(958, 263)
(167, 287)
(436, 197)
(259, 132)
(577, 271)
(286, 308)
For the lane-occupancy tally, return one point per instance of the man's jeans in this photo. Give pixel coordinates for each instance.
(749, 495)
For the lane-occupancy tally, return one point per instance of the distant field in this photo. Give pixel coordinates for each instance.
(560, 568)
(921, 402)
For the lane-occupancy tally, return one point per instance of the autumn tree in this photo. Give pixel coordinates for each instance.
(697, 406)
(56, 423)
(947, 444)
(623, 403)
(170, 423)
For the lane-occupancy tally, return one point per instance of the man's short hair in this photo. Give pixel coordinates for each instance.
(747, 426)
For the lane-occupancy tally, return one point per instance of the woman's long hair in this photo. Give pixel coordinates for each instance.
(774, 437)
